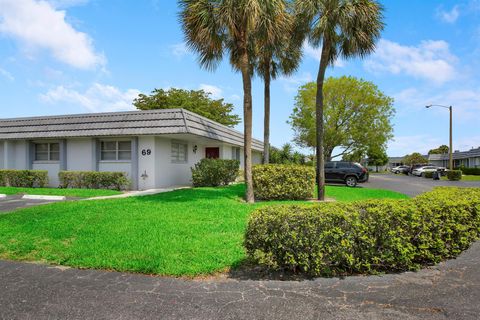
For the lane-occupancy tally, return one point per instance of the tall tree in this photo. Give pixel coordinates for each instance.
(356, 117)
(414, 158)
(277, 56)
(377, 156)
(213, 27)
(343, 28)
(197, 101)
(443, 149)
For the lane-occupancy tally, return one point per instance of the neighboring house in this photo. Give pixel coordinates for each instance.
(156, 148)
(468, 159)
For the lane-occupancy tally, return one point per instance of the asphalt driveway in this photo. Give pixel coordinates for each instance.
(13, 202)
(411, 185)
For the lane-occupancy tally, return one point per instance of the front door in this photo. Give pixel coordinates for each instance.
(212, 153)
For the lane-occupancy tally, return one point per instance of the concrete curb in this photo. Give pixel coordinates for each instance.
(43, 197)
(3, 196)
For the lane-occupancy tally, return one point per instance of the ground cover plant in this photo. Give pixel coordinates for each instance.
(184, 232)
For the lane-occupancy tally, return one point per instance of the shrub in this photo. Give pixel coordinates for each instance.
(93, 180)
(454, 175)
(24, 178)
(214, 172)
(283, 182)
(428, 175)
(372, 236)
(471, 171)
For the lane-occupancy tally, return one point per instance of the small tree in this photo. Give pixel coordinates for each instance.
(443, 149)
(414, 158)
(377, 157)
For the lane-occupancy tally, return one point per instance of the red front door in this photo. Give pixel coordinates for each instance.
(212, 153)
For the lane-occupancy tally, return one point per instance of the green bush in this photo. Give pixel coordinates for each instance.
(471, 171)
(24, 178)
(454, 175)
(214, 172)
(283, 182)
(93, 180)
(428, 174)
(369, 237)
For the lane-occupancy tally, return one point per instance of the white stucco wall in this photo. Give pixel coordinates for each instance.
(80, 155)
(146, 163)
(19, 156)
(256, 157)
(52, 167)
(2, 155)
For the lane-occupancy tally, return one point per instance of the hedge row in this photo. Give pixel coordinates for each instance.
(93, 180)
(283, 182)
(366, 237)
(471, 171)
(214, 172)
(454, 175)
(23, 178)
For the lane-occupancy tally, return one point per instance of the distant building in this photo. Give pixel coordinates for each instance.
(468, 159)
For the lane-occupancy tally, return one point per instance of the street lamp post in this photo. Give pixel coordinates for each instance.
(450, 150)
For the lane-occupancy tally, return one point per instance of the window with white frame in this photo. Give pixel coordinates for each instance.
(235, 153)
(116, 150)
(179, 152)
(47, 151)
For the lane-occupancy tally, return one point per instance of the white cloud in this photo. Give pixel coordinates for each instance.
(235, 97)
(179, 50)
(315, 54)
(67, 3)
(292, 83)
(216, 92)
(97, 98)
(448, 16)
(430, 60)
(38, 25)
(6, 74)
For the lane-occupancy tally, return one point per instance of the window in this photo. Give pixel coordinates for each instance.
(47, 151)
(342, 165)
(329, 165)
(116, 150)
(179, 152)
(235, 153)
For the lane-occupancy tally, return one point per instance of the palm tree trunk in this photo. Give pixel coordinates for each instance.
(266, 120)
(247, 123)
(319, 121)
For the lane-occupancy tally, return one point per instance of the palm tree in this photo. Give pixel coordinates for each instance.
(343, 28)
(213, 27)
(276, 56)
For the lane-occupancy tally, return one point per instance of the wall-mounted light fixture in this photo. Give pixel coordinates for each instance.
(195, 148)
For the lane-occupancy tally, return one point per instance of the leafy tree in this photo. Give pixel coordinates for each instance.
(286, 155)
(414, 158)
(440, 150)
(214, 27)
(356, 117)
(377, 156)
(197, 101)
(277, 56)
(343, 28)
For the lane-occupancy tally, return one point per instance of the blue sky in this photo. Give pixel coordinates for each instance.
(76, 56)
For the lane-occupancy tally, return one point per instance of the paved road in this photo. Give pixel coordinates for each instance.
(448, 291)
(13, 202)
(411, 185)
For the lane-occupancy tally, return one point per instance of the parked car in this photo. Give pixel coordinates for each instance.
(416, 166)
(349, 173)
(400, 169)
(420, 172)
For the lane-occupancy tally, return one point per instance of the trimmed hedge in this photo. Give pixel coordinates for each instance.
(24, 178)
(454, 175)
(368, 237)
(283, 182)
(471, 171)
(93, 180)
(428, 175)
(214, 172)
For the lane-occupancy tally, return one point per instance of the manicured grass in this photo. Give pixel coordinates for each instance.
(184, 232)
(80, 193)
(466, 178)
(342, 193)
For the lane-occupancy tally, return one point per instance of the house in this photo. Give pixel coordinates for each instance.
(468, 159)
(156, 148)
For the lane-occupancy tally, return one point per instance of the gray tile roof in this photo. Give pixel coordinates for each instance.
(473, 153)
(130, 123)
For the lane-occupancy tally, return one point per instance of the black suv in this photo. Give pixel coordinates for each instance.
(349, 173)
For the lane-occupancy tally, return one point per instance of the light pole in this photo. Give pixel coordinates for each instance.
(450, 151)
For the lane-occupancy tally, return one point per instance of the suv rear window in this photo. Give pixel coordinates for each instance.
(343, 165)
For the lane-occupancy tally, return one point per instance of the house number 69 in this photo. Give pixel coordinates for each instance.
(146, 152)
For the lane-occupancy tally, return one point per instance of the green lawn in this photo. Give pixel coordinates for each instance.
(80, 193)
(466, 178)
(184, 232)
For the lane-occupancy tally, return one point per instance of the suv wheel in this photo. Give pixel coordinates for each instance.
(351, 181)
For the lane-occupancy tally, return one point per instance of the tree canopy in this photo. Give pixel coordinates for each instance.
(197, 101)
(414, 158)
(440, 150)
(357, 116)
